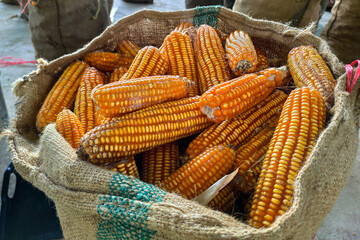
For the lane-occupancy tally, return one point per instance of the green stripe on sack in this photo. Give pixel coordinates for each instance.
(207, 15)
(124, 211)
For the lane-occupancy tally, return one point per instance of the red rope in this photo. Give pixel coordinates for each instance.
(349, 71)
(8, 61)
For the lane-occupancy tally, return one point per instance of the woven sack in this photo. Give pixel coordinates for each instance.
(297, 13)
(95, 203)
(342, 31)
(59, 27)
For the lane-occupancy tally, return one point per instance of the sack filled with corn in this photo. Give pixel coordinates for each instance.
(110, 202)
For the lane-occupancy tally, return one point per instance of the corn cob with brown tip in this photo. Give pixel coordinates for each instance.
(229, 99)
(127, 167)
(117, 74)
(127, 47)
(224, 201)
(148, 62)
(142, 130)
(200, 173)
(181, 58)
(85, 108)
(159, 163)
(210, 58)
(103, 61)
(308, 69)
(241, 53)
(69, 126)
(125, 96)
(262, 62)
(249, 158)
(238, 129)
(62, 95)
(182, 26)
(301, 120)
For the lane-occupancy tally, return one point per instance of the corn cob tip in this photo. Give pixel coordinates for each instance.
(243, 66)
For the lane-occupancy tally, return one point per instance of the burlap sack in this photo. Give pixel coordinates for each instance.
(59, 27)
(342, 32)
(297, 13)
(95, 203)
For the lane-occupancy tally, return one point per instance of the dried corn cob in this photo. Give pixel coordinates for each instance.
(103, 61)
(160, 162)
(235, 130)
(148, 62)
(308, 69)
(117, 74)
(126, 96)
(127, 167)
(182, 26)
(69, 126)
(224, 200)
(200, 173)
(85, 108)
(62, 95)
(142, 130)
(241, 53)
(181, 58)
(127, 47)
(231, 98)
(249, 158)
(262, 62)
(301, 120)
(210, 58)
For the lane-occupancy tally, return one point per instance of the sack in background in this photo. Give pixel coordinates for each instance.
(59, 27)
(297, 13)
(343, 30)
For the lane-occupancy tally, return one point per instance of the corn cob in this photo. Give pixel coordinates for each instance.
(117, 74)
(308, 69)
(200, 173)
(301, 120)
(85, 108)
(236, 130)
(148, 62)
(262, 62)
(142, 130)
(103, 61)
(182, 26)
(69, 126)
(181, 58)
(127, 167)
(62, 95)
(160, 162)
(241, 53)
(121, 97)
(229, 99)
(224, 200)
(127, 47)
(249, 158)
(210, 58)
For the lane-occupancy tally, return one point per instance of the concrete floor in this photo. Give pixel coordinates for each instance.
(342, 223)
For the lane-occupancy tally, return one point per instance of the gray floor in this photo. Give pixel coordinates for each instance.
(342, 223)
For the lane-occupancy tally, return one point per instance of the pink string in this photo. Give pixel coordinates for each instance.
(8, 61)
(21, 4)
(349, 71)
